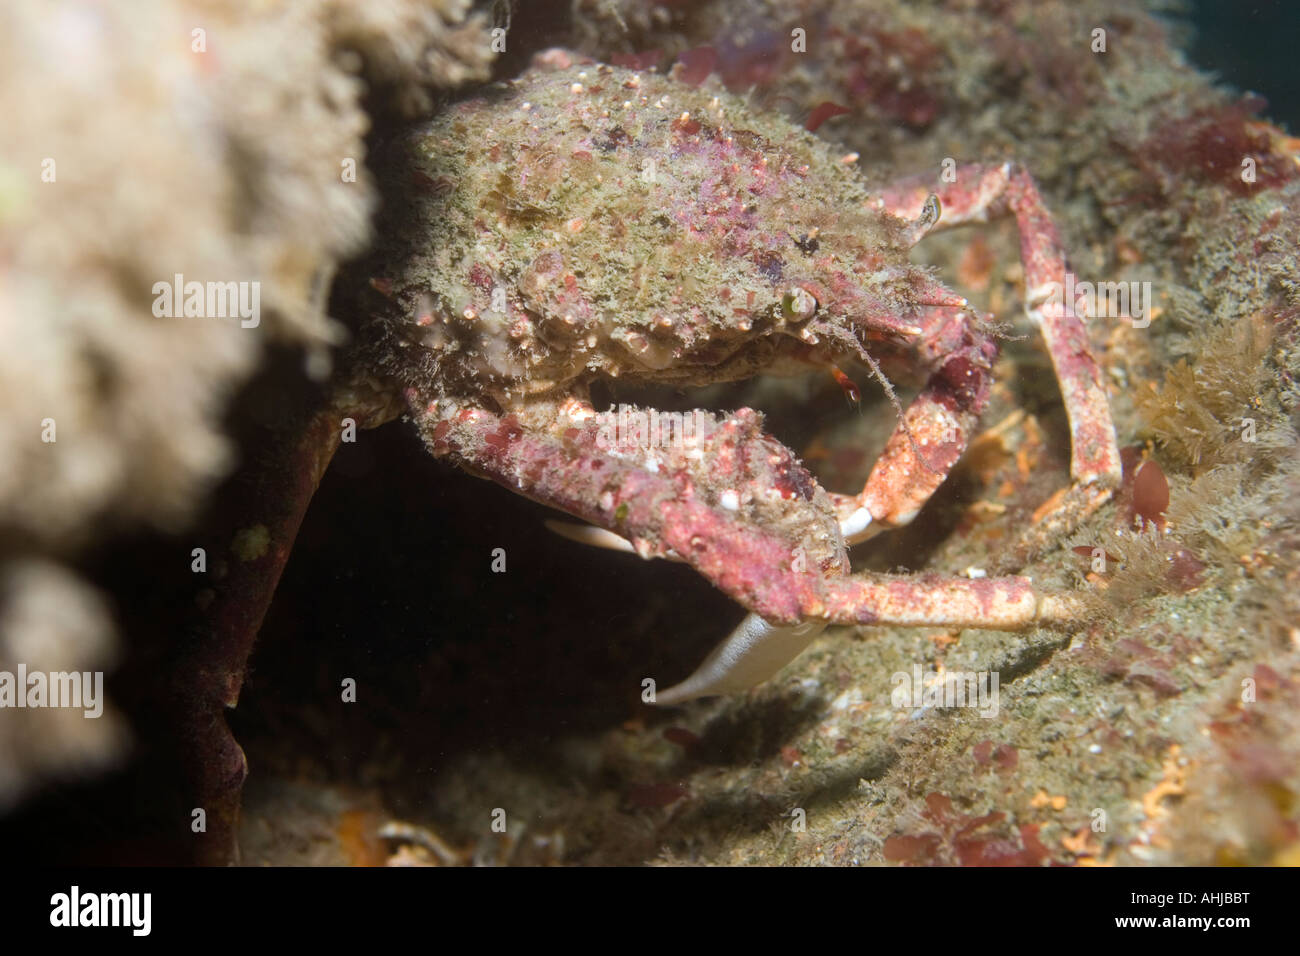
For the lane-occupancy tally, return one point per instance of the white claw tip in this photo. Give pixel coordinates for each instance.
(751, 654)
(855, 523)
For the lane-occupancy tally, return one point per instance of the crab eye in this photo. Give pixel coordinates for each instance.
(930, 212)
(928, 218)
(798, 304)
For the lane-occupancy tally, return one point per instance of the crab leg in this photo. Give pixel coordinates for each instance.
(935, 430)
(980, 193)
(940, 422)
(664, 514)
(757, 649)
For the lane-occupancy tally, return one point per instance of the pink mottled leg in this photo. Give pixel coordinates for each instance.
(708, 499)
(935, 430)
(737, 506)
(711, 502)
(984, 192)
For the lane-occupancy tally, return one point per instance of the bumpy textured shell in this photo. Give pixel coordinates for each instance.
(596, 221)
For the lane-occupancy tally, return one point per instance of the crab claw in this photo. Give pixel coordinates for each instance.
(751, 654)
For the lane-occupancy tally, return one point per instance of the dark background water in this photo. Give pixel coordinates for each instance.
(1252, 45)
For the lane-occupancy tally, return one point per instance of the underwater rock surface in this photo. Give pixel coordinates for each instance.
(497, 712)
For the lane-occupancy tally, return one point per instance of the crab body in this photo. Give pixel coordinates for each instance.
(595, 223)
(603, 223)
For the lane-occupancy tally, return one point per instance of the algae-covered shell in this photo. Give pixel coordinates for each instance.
(598, 221)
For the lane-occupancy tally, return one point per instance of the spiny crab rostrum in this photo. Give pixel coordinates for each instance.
(588, 223)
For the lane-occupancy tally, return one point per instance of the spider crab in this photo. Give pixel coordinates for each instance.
(590, 223)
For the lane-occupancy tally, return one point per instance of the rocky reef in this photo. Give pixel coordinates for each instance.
(162, 519)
